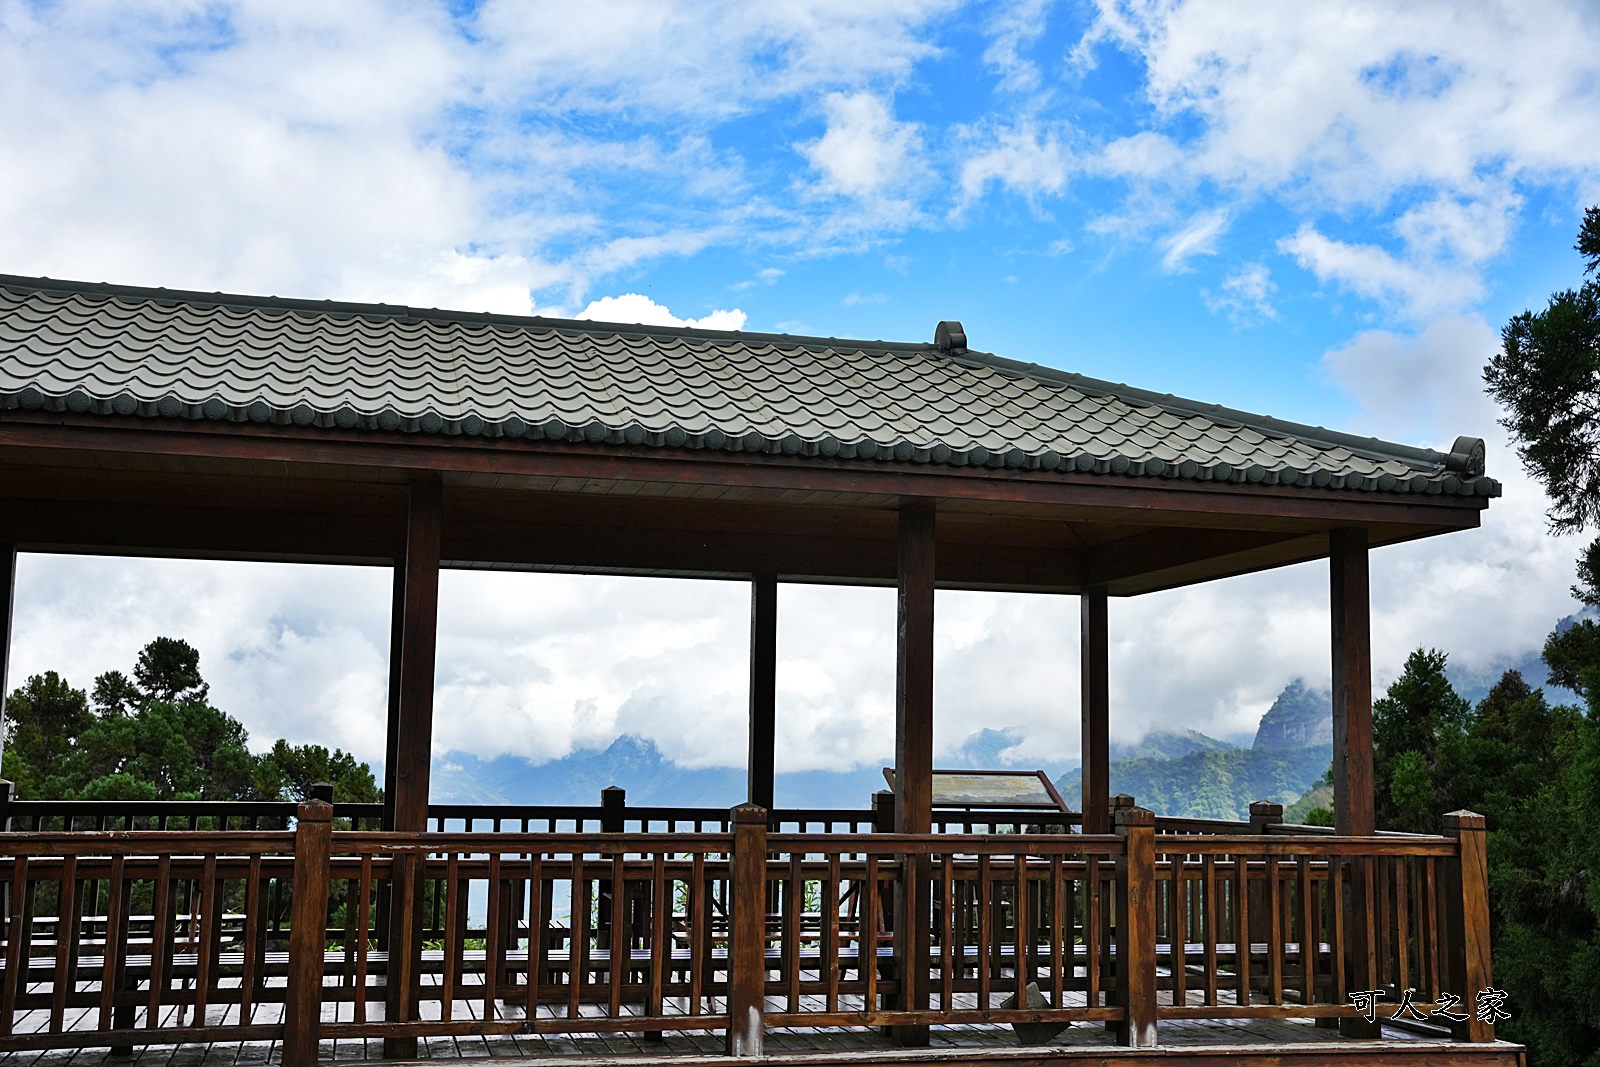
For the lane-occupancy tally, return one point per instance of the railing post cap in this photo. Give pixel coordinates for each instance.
(322, 791)
(1464, 820)
(1266, 807)
(314, 810)
(748, 813)
(1135, 816)
(1121, 800)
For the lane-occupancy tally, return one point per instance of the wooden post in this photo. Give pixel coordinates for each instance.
(747, 950)
(1095, 739)
(1468, 919)
(8, 793)
(302, 1009)
(763, 687)
(8, 591)
(1136, 927)
(1352, 746)
(613, 809)
(411, 744)
(1264, 815)
(913, 751)
(883, 812)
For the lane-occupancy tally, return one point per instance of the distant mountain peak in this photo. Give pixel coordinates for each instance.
(1299, 718)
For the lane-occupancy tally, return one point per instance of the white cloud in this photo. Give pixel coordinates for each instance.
(1246, 295)
(1197, 238)
(1418, 289)
(1013, 29)
(1024, 159)
(1429, 113)
(1425, 386)
(866, 152)
(636, 307)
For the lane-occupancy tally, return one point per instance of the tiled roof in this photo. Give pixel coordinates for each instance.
(160, 354)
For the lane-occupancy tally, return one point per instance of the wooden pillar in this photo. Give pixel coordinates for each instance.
(763, 687)
(913, 757)
(1352, 751)
(1352, 684)
(8, 589)
(411, 743)
(419, 614)
(1095, 739)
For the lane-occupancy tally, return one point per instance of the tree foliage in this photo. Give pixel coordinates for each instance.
(156, 736)
(1547, 376)
(1533, 772)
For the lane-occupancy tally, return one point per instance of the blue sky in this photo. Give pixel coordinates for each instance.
(1321, 212)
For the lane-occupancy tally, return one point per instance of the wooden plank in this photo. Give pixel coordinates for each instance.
(1308, 936)
(538, 932)
(830, 944)
(1243, 962)
(363, 887)
(1208, 875)
(1060, 932)
(1095, 735)
(793, 926)
(67, 934)
(454, 917)
(114, 946)
(1092, 886)
(1180, 931)
(15, 946)
(763, 688)
(660, 944)
(161, 943)
(618, 944)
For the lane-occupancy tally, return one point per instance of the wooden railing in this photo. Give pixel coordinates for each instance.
(127, 939)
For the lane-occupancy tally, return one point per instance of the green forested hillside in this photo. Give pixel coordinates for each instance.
(1213, 784)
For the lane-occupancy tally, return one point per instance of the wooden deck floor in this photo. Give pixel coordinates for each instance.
(1243, 1043)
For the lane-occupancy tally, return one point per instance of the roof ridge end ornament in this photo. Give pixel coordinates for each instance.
(1466, 456)
(950, 336)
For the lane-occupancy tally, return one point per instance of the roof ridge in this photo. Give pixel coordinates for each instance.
(406, 311)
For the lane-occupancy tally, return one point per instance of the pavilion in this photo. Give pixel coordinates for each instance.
(156, 422)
